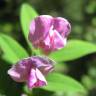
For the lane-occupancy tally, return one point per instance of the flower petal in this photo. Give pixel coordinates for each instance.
(36, 79)
(41, 79)
(32, 79)
(58, 41)
(54, 41)
(62, 26)
(39, 28)
(43, 63)
(19, 72)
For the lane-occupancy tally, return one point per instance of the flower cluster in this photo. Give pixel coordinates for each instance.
(49, 34)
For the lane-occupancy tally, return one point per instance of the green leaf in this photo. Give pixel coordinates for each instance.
(58, 82)
(26, 16)
(74, 50)
(61, 67)
(12, 50)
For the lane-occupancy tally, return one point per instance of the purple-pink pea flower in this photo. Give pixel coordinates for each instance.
(32, 71)
(49, 33)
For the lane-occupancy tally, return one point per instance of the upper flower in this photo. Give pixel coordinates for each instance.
(49, 33)
(32, 70)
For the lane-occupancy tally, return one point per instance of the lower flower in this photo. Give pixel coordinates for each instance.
(32, 71)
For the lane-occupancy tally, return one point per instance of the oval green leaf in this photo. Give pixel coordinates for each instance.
(74, 50)
(12, 50)
(26, 16)
(58, 82)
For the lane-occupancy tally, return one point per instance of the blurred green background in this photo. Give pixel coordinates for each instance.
(82, 16)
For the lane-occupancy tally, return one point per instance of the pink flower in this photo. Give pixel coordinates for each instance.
(49, 33)
(32, 71)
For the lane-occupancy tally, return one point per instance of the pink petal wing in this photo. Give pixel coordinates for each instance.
(36, 79)
(41, 79)
(62, 26)
(32, 79)
(43, 63)
(58, 41)
(19, 72)
(39, 28)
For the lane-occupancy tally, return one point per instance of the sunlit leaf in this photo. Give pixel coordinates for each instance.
(26, 16)
(12, 51)
(74, 50)
(58, 82)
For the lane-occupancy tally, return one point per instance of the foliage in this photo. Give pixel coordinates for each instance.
(83, 27)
